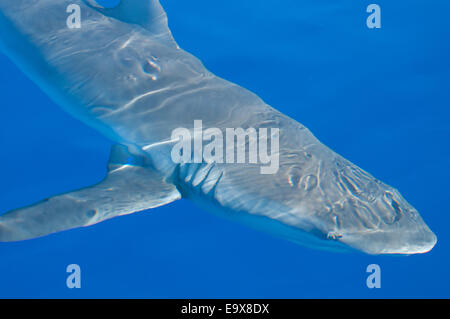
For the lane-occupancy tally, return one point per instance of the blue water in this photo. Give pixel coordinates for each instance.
(108, 3)
(378, 97)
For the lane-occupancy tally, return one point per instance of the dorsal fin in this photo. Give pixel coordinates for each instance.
(148, 14)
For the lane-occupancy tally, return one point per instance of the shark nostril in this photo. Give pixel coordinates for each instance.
(413, 214)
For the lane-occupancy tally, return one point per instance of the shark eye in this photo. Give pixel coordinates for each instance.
(309, 182)
(91, 213)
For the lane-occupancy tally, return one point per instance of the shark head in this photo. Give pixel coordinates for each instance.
(349, 206)
(376, 219)
(321, 200)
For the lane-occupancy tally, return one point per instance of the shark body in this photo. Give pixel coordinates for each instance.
(123, 74)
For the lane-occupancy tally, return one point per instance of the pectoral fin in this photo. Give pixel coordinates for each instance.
(126, 189)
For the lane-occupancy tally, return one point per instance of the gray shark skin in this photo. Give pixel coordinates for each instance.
(123, 74)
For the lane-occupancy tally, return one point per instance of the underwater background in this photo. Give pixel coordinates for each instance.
(378, 97)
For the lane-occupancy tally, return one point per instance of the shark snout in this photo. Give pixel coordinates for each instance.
(372, 217)
(403, 237)
(390, 225)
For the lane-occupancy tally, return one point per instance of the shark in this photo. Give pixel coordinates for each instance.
(122, 73)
